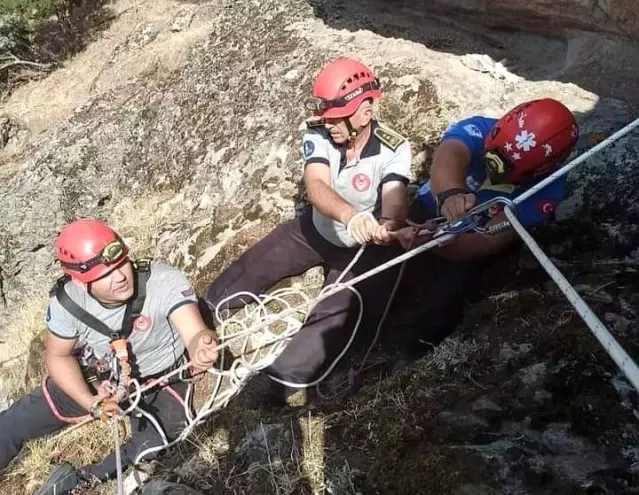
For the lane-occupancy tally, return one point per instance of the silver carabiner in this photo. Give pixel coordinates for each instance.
(471, 220)
(490, 203)
(507, 202)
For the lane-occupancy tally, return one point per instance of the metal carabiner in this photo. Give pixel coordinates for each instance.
(473, 219)
(479, 211)
(490, 203)
(464, 224)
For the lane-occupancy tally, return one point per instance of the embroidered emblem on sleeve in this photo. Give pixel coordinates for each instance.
(389, 138)
(309, 148)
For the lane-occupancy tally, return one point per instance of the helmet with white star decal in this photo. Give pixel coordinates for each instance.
(531, 140)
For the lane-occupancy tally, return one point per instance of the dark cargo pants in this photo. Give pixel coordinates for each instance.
(290, 249)
(31, 417)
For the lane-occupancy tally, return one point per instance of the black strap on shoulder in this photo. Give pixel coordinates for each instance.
(142, 272)
(80, 313)
(134, 308)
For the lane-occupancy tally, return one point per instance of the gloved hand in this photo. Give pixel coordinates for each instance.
(456, 206)
(361, 226)
(104, 409)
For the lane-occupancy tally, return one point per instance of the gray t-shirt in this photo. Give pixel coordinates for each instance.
(359, 181)
(154, 342)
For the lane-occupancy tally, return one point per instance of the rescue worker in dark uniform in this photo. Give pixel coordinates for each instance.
(355, 172)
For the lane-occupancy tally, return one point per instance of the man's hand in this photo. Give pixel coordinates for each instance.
(202, 350)
(404, 236)
(456, 206)
(104, 409)
(362, 226)
(105, 389)
(382, 235)
(409, 237)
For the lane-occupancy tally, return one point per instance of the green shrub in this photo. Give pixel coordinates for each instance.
(33, 9)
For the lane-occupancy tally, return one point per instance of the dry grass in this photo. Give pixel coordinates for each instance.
(19, 374)
(27, 325)
(21, 359)
(312, 463)
(453, 353)
(80, 446)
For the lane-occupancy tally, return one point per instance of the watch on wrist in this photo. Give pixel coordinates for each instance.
(447, 193)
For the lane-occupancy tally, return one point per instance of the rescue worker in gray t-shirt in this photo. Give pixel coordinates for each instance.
(107, 304)
(355, 171)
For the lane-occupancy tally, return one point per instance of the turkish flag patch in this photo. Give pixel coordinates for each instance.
(142, 323)
(546, 207)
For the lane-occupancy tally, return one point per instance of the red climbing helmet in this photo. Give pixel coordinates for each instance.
(89, 249)
(341, 87)
(531, 140)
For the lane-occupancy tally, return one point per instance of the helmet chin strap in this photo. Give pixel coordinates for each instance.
(352, 132)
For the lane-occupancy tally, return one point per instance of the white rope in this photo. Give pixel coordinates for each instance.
(242, 368)
(612, 347)
(118, 455)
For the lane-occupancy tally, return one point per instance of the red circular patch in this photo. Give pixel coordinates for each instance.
(142, 323)
(546, 207)
(361, 182)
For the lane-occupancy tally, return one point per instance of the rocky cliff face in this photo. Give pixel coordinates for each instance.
(195, 157)
(617, 17)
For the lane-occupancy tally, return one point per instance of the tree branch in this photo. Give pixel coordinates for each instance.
(25, 63)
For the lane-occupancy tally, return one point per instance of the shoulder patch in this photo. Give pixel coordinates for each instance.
(309, 148)
(388, 137)
(473, 130)
(311, 123)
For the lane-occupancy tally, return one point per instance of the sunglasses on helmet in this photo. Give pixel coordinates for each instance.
(316, 104)
(111, 253)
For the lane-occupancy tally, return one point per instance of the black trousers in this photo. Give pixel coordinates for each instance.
(290, 249)
(431, 301)
(31, 417)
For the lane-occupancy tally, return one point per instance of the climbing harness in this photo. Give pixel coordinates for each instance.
(121, 364)
(116, 368)
(291, 317)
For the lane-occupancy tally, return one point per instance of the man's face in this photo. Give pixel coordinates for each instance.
(337, 129)
(337, 126)
(115, 288)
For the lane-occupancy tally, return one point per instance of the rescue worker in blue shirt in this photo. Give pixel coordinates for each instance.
(480, 158)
